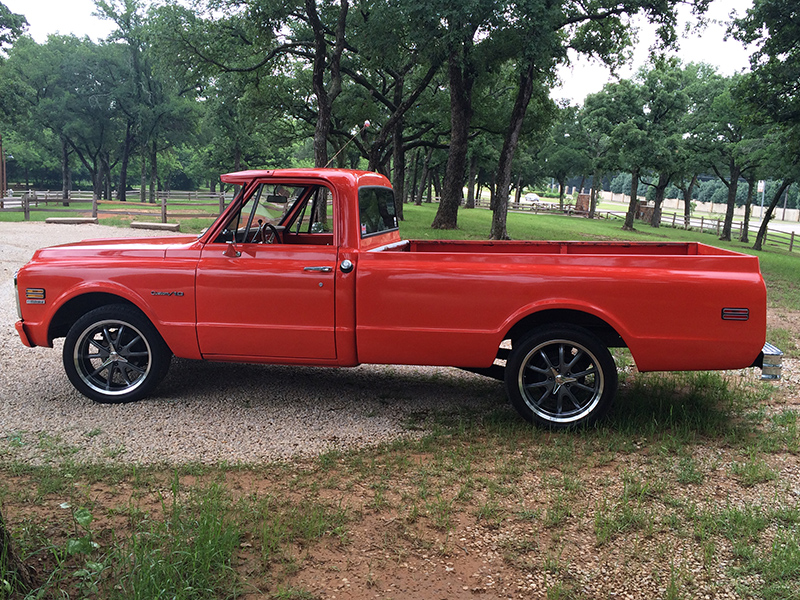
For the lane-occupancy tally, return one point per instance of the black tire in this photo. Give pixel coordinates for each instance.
(561, 376)
(114, 354)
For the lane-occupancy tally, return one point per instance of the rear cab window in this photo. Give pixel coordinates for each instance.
(376, 211)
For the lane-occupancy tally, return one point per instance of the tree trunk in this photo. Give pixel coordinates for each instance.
(751, 190)
(143, 180)
(733, 186)
(399, 175)
(461, 84)
(500, 208)
(471, 181)
(583, 181)
(66, 172)
(687, 201)
(437, 186)
(105, 170)
(23, 576)
(330, 67)
(632, 205)
(426, 173)
(417, 198)
(153, 172)
(661, 192)
(123, 168)
(323, 67)
(762, 231)
(595, 191)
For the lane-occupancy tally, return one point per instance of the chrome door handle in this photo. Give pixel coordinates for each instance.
(319, 269)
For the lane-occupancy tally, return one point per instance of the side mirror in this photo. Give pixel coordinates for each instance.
(231, 251)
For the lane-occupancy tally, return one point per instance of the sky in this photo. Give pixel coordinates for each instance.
(582, 78)
(708, 46)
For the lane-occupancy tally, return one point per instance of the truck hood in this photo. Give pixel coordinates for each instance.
(147, 247)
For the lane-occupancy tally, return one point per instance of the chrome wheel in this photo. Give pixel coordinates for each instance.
(114, 354)
(561, 377)
(112, 357)
(561, 381)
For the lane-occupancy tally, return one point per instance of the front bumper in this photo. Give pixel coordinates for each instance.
(23, 335)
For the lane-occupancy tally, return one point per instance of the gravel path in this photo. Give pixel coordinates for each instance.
(204, 412)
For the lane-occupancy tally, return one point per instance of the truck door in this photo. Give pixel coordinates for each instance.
(265, 285)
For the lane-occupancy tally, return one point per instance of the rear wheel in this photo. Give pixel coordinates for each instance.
(113, 354)
(561, 376)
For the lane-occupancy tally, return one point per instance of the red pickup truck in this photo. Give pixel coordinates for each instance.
(307, 266)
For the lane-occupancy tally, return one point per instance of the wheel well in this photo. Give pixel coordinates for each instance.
(607, 334)
(77, 307)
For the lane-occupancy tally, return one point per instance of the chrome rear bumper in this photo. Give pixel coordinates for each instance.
(771, 360)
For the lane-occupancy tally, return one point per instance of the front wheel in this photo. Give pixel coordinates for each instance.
(113, 354)
(561, 376)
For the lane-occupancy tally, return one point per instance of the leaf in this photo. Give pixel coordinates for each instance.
(83, 517)
(79, 546)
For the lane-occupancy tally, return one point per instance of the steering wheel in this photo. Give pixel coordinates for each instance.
(265, 238)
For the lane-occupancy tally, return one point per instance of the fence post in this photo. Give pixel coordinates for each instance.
(221, 202)
(791, 242)
(26, 208)
(94, 207)
(164, 209)
(702, 222)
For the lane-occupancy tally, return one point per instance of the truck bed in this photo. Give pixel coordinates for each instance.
(556, 247)
(677, 306)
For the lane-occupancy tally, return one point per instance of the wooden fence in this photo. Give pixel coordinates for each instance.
(168, 205)
(711, 225)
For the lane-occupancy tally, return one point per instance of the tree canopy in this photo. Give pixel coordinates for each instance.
(454, 93)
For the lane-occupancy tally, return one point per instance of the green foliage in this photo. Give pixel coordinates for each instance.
(11, 25)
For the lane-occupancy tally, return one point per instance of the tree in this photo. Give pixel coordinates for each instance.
(12, 26)
(618, 113)
(565, 151)
(666, 100)
(773, 88)
(469, 29)
(731, 138)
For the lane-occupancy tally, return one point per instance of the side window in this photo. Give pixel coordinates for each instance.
(267, 203)
(376, 209)
(316, 215)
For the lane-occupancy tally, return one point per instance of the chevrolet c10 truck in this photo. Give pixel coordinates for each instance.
(307, 267)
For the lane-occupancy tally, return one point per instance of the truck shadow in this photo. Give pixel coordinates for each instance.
(401, 391)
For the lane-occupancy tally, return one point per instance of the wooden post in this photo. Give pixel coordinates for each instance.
(791, 242)
(164, 209)
(221, 202)
(26, 207)
(94, 207)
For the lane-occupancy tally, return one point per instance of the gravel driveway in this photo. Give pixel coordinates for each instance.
(205, 412)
